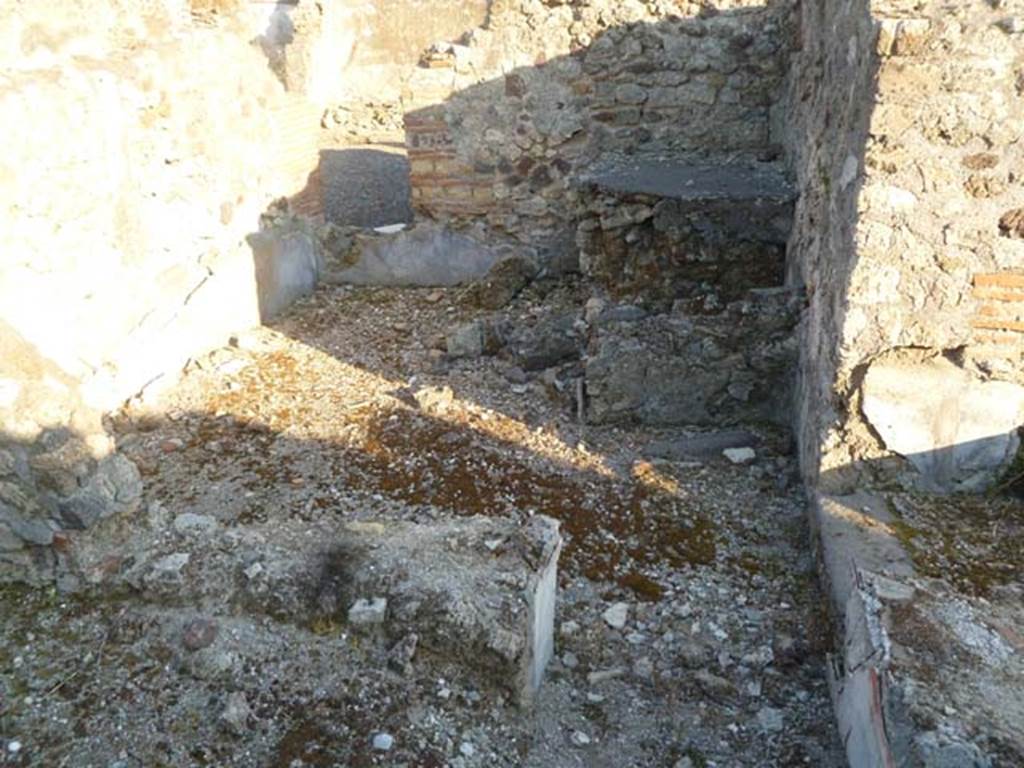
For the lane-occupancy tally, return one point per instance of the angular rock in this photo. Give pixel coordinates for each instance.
(425, 255)
(702, 447)
(716, 687)
(743, 455)
(365, 612)
(474, 339)
(697, 369)
(491, 610)
(167, 570)
(236, 714)
(114, 488)
(549, 343)
(31, 531)
(771, 720)
(402, 653)
(199, 633)
(189, 523)
(616, 616)
(503, 282)
(382, 742)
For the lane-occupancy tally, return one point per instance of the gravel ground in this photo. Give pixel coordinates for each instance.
(366, 185)
(690, 629)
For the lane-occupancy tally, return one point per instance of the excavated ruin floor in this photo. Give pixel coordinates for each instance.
(347, 410)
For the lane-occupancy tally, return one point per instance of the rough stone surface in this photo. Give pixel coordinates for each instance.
(287, 266)
(169, 274)
(660, 230)
(902, 616)
(59, 470)
(128, 243)
(553, 340)
(364, 611)
(898, 232)
(317, 432)
(683, 368)
(502, 283)
(490, 608)
(960, 433)
(199, 633)
(236, 714)
(345, 461)
(426, 255)
(480, 337)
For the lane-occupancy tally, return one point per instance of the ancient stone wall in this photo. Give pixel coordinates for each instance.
(522, 105)
(144, 143)
(905, 139)
(660, 231)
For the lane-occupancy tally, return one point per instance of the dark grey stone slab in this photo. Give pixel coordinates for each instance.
(692, 182)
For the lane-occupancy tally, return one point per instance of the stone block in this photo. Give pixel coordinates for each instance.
(286, 266)
(479, 592)
(957, 430)
(661, 228)
(426, 255)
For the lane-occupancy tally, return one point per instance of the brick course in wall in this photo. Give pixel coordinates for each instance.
(297, 157)
(443, 185)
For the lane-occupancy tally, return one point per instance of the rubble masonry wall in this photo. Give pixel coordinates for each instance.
(905, 139)
(543, 91)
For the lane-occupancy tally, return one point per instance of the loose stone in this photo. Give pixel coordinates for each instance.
(617, 615)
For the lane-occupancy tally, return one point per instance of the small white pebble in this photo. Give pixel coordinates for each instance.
(467, 749)
(382, 742)
(14, 746)
(580, 739)
(569, 628)
(617, 615)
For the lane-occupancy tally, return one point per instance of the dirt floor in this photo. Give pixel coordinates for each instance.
(347, 409)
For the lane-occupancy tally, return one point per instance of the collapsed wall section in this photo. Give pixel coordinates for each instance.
(145, 142)
(906, 146)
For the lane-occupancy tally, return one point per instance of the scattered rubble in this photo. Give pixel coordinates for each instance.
(236, 714)
(709, 562)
